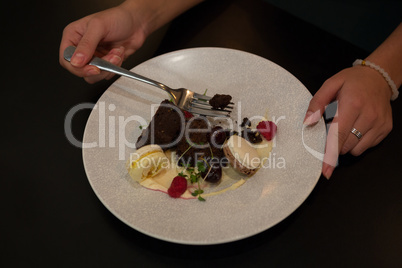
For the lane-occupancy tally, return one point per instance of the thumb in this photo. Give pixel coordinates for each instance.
(326, 94)
(87, 45)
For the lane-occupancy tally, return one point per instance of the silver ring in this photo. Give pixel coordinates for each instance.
(357, 133)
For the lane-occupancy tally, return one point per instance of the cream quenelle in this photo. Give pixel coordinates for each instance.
(152, 168)
(147, 162)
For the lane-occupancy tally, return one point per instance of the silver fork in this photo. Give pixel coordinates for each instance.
(183, 98)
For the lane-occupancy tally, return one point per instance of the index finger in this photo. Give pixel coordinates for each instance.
(321, 99)
(88, 44)
(338, 133)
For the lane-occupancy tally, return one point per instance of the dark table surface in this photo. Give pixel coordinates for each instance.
(51, 216)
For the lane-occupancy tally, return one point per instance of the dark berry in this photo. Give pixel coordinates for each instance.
(218, 136)
(214, 175)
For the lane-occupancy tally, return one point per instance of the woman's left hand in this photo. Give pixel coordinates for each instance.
(363, 98)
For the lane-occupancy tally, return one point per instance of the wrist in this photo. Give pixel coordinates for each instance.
(389, 66)
(382, 72)
(389, 56)
(144, 13)
(153, 14)
(375, 79)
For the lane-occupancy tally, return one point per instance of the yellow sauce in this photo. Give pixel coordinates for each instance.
(231, 179)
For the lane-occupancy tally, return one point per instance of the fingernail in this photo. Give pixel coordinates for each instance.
(92, 71)
(311, 118)
(327, 172)
(117, 51)
(77, 60)
(115, 60)
(306, 118)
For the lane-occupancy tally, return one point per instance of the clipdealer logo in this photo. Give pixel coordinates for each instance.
(330, 156)
(112, 130)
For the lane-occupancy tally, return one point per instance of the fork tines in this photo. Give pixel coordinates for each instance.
(200, 105)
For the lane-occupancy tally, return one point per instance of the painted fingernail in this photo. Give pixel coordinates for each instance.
(327, 172)
(78, 60)
(311, 118)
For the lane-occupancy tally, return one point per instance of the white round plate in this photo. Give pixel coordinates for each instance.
(258, 87)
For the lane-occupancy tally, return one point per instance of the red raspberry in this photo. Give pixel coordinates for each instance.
(178, 187)
(267, 129)
(188, 115)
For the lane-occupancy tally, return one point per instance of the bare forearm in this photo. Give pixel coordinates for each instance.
(153, 14)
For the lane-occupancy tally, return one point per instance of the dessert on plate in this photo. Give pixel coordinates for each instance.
(188, 156)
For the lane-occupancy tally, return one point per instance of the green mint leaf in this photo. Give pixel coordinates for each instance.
(201, 166)
(181, 174)
(193, 178)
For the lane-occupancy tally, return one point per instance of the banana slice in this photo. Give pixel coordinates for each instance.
(147, 162)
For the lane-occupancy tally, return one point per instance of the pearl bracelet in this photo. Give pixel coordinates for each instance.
(386, 76)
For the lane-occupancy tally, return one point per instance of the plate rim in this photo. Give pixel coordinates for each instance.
(189, 242)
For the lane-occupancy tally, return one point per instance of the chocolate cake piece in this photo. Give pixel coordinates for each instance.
(168, 129)
(196, 145)
(165, 128)
(220, 101)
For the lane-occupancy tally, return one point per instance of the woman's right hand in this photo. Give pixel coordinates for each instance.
(113, 35)
(116, 33)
